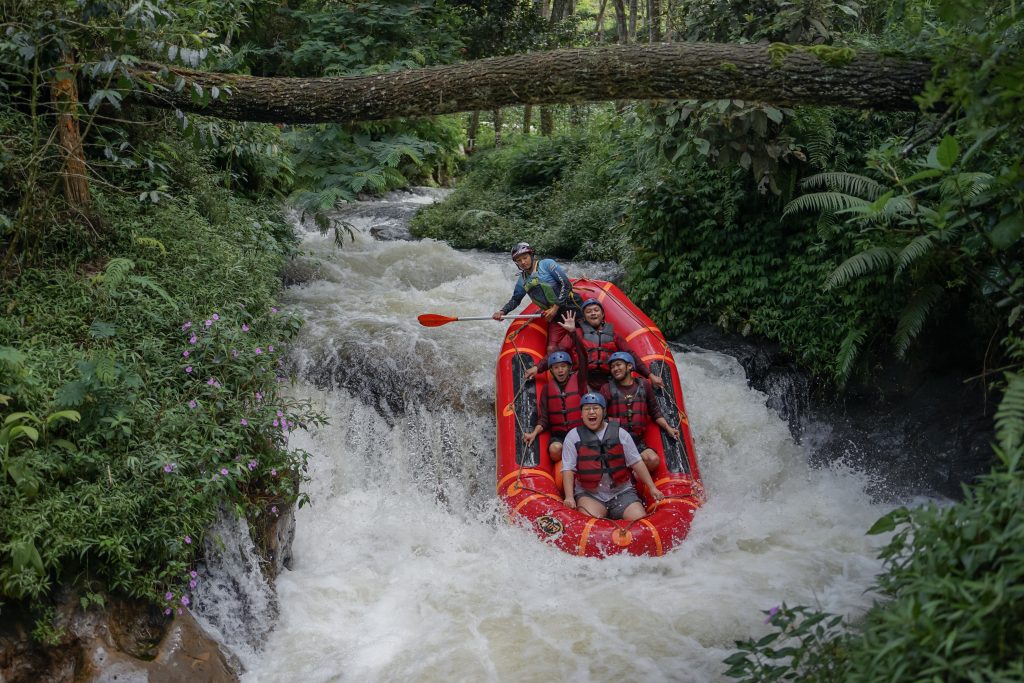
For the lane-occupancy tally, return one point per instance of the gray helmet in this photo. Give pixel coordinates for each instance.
(522, 248)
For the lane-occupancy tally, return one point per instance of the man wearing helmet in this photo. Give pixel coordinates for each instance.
(558, 410)
(548, 286)
(596, 459)
(631, 400)
(600, 340)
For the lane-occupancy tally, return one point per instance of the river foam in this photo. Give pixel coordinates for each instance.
(405, 567)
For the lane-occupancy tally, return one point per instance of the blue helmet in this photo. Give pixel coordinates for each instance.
(621, 355)
(593, 399)
(590, 302)
(559, 357)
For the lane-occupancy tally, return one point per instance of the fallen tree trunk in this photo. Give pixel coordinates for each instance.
(781, 75)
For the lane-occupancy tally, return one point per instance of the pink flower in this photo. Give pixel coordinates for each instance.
(270, 349)
(258, 350)
(192, 584)
(259, 396)
(167, 612)
(771, 613)
(252, 465)
(276, 423)
(273, 309)
(243, 422)
(192, 403)
(185, 353)
(168, 595)
(280, 414)
(273, 508)
(188, 369)
(169, 467)
(193, 573)
(224, 471)
(208, 323)
(273, 472)
(193, 339)
(184, 600)
(188, 540)
(215, 316)
(186, 326)
(245, 328)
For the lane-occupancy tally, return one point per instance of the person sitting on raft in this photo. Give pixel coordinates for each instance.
(596, 459)
(558, 409)
(548, 286)
(631, 400)
(599, 341)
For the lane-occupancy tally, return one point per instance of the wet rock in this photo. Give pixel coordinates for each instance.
(922, 429)
(126, 641)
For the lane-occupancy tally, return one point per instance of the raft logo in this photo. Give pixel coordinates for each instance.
(549, 525)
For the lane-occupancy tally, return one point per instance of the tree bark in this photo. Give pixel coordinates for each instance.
(632, 20)
(496, 117)
(599, 23)
(474, 126)
(621, 23)
(547, 121)
(666, 71)
(527, 118)
(74, 172)
(654, 20)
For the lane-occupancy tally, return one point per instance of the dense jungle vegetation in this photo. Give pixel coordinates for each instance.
(141, 350)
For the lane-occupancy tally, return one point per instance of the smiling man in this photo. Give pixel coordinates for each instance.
(596, 460)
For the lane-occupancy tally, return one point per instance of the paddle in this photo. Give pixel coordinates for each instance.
(435, 320)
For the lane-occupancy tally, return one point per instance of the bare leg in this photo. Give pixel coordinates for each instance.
(634, 511)
(555, 451)
(651, 459)
(593, 508)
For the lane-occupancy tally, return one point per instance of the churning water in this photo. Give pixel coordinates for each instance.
(405, 568)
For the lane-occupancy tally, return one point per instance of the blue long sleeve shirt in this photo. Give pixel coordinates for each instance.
(549, 273)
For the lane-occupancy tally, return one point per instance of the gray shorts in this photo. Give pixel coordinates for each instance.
(617, 505)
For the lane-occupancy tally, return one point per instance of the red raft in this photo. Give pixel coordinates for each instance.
(525, 475)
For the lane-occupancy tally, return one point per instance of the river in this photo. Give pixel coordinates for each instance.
(405, 568)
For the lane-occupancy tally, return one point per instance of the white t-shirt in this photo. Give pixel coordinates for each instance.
(606, 490)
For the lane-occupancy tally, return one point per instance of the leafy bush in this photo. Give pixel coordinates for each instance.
(557, 193)
(156, 374)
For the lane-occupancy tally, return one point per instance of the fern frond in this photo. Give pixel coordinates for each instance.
(968, 184)
(846, 183)
(114, 275)
(849, 349)
(150, 284)
(1010, 416)
(151, 243)
(913, 317)
(105, 370)
(918, 247)
(865, 262)
(829, 202)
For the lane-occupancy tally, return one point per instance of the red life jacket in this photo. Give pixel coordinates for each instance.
(599, 345)
(564, 404)
(597, 457)
(630, 406)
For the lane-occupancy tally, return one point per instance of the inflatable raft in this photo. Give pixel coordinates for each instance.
(525, 476)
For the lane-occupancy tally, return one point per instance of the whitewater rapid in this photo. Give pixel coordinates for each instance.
(404, 566)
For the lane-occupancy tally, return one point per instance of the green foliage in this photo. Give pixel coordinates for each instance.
(110, 473)
(803, 644)
(557, 193)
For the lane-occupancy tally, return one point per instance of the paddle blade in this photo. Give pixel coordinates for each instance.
(434, 320)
